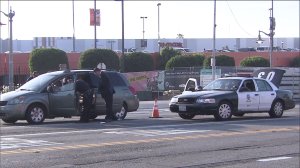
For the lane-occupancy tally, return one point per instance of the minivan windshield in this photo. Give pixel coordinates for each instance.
(37, 83)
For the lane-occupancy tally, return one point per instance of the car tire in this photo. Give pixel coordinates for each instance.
(239, 114)
(9, 121)
(224, 111)
(120, 115)
(186, 116)
(276, 109)
(35, 114)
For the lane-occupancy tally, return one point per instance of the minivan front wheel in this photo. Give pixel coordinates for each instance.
(35, 114)
(120, 115)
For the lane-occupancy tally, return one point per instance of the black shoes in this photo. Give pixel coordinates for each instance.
(110, 118)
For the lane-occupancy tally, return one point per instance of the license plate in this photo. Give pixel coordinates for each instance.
(182, 108)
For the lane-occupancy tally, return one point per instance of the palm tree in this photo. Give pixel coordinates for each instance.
(180, 36)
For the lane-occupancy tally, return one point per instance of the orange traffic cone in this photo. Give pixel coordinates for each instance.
(155, 112)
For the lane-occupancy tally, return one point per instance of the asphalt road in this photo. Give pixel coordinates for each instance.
(254, 140)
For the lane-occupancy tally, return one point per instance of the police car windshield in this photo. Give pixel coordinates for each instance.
(37, 83)
(223, 84)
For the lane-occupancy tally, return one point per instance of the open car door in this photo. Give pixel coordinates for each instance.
(191, 86)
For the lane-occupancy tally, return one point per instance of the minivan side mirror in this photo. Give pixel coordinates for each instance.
(50, 89)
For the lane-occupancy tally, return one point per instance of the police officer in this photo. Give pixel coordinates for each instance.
(83, 88)
(107, 91)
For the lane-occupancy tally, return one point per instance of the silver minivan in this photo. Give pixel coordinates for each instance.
(53, 95)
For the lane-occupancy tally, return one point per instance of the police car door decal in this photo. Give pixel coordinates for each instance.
(248, 100)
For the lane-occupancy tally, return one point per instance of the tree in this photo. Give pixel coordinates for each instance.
(137, 62)
(43, 60)
(221, 60)
(255, 61)
(92, 57)
(295, 62)
(166, 54)
(185, 61)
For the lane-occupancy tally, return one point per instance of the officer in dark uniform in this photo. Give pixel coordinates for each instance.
(82, 87)
(107, 91)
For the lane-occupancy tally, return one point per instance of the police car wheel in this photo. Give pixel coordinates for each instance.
(35, 114)
(224, 111)
(9, 121)
(186, 116)
(120, 115)
(276, 109)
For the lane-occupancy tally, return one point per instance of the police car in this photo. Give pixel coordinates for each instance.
(236, 96)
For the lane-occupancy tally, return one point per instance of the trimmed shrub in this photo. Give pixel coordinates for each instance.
(295, 62)
(92, 57)
(221, 60)
(166, 54)
(43, 60)
(255, 61)
(185, 61)
(137, 62)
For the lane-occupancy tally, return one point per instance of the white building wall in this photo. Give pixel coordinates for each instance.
(195, 45)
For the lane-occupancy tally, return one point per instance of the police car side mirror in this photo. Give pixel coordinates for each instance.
(199, 88)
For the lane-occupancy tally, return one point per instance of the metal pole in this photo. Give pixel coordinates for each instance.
(143, 17)
(95, 30)
(271, 34)
(213, 60)
(73, 26)
(122, 60)
(158, 38)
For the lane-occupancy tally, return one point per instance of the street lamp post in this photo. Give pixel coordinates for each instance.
(213, 59)
(158, 38)
(271, 34)
(143, 17)
(10, 15)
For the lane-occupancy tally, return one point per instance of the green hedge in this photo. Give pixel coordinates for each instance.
(185, 61)
(221, 60)
(255, 61)
(295, 62)
(43, 60)
(138, 62)
(92, 57)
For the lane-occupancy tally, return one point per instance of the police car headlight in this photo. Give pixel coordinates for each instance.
(17, 100)
(173, 100)
(201, 100)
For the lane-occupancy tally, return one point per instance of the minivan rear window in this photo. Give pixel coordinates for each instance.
(116, 79)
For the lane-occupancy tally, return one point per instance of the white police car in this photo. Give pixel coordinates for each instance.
(229, 96)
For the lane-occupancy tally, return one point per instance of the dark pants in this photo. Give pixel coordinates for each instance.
(86, 106)
(109, 103)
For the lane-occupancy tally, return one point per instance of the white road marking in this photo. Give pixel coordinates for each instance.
(272, 159)
(12, 143)
(155, 132)
(137, 127)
